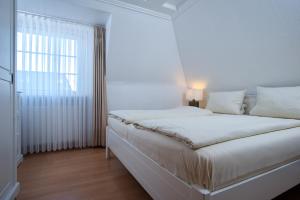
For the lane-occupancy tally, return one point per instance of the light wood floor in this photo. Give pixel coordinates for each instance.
(84, 175)
(76, 175)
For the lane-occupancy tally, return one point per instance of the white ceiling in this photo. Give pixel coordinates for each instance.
(163, 6)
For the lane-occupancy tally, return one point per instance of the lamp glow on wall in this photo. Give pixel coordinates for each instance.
(194, 96)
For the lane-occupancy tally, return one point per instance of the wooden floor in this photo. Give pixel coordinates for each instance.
(76, 175)
(84, 175)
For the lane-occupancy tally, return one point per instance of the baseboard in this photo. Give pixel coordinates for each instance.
(13, 192)
(19, 159)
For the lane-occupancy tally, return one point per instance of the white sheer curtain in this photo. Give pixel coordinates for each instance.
(54, 74)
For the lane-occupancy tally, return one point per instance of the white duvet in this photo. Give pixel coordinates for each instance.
(198, 132)
(201, 128)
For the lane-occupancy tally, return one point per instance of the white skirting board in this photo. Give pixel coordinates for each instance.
(162, 185)
(19, 159)
(11, 192)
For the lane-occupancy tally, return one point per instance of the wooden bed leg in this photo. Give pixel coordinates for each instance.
(107, 153)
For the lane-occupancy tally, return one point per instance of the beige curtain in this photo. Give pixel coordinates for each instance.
(99, 88)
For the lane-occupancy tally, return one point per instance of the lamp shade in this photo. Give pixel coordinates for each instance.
(193, 94)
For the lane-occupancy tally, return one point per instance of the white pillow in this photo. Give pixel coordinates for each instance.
(281, 102)
(226, 102)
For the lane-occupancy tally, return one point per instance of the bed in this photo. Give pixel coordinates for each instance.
(255, 165)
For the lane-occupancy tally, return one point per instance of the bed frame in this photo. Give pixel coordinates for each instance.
(162, 185)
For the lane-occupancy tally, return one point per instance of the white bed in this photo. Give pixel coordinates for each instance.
(235, 169)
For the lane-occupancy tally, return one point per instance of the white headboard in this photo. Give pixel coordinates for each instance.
(124, 95)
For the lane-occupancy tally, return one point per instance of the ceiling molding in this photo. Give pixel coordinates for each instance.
(136, 9)
(184, 7)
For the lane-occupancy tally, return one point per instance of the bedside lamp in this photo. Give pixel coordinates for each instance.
(194, 97)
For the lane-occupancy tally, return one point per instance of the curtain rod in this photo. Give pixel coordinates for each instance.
(60, 19)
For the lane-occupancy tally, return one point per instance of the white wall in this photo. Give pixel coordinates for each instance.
(142, 59)
(143, 66)
(240, 44)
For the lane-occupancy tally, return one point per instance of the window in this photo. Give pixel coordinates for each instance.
(45, 64)
(53, 57)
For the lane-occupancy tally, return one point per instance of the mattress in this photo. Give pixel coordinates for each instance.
(216, 166)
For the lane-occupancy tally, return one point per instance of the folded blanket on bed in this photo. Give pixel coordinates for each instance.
(131, 116)
(198, 128)
(198, 132)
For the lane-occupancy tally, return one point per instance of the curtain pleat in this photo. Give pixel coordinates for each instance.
(55, 76)
(99, 88)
